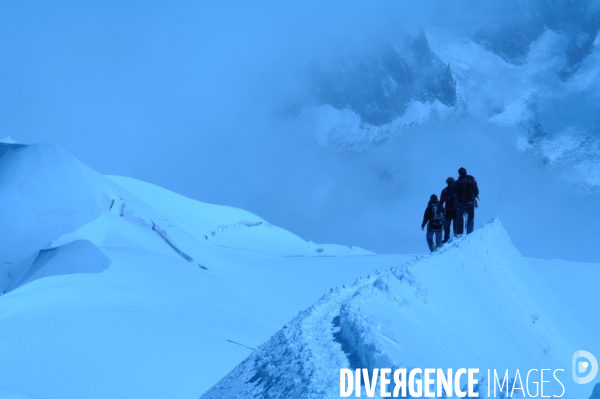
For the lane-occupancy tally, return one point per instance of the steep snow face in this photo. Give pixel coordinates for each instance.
(44, 192)
(474, 304)
(79, 256)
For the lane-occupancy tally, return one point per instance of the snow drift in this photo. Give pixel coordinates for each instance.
(79, 256)
(44, 192)
(474, 303)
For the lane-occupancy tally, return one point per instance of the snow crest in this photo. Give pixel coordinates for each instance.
(414, 316)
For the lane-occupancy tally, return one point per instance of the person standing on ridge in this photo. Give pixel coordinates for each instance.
(434, 219)
(466, 193)
(447, 201)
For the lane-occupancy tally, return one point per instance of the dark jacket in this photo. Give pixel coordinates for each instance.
(465, 189)
(447, 198)
(428, 217)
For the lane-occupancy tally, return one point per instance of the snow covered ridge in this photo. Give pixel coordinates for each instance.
(55, 211)
(474, 303)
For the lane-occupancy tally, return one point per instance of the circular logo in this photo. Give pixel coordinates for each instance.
(584, 362)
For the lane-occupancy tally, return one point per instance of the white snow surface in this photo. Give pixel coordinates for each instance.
(475, 304)
(116, 288)
(228, 227)
(111, 294)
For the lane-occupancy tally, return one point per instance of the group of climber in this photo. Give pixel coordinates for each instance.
(458, 199)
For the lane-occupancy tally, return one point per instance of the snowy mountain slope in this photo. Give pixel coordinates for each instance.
(547, 90)
(78, 203)
(151, 326)
(381, 86)
(476, 303)
(228, 227)
(107, 295)
(364, 100)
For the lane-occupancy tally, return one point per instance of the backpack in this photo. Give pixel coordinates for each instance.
(466, 189)
(436, 222)
(450, 196)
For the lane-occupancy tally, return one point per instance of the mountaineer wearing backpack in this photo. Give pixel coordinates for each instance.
(434, 219)
(466, 193)
(447, 201)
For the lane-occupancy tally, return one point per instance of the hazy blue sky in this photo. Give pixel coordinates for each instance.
(142, 88)
(183, 94)
(190, 96)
